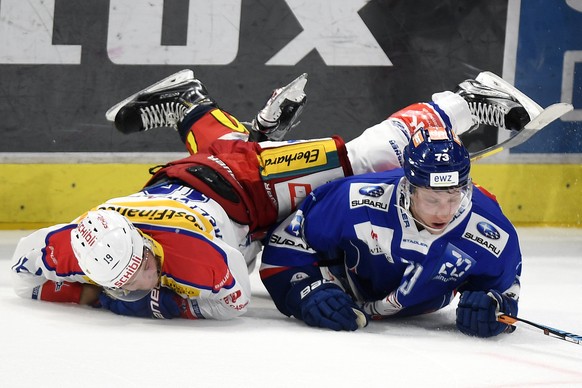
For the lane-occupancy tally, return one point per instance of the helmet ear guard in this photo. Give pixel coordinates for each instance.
(108, 248)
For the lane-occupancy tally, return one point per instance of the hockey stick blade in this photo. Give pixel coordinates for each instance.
(175, 79)
(551, 113)
(549, 331)
(548, 115)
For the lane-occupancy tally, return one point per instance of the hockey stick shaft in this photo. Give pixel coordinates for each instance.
(549, 331)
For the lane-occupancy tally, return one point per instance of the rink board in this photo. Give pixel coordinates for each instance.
(35, 195)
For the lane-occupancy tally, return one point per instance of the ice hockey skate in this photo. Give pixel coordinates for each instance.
(163, 104)
(280, 113)
(493, 101)
(539, 117)
(490, 106)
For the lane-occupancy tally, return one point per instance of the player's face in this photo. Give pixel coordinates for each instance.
(146, 277)
(435, 208)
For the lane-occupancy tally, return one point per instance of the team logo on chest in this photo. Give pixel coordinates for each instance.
(456, 264)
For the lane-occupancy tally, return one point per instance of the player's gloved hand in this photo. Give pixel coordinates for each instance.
(477, 313)
(327, 306)
(159, 303)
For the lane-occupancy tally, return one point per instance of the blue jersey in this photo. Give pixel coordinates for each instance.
(355, 232)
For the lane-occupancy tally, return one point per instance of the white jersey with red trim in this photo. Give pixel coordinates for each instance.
(202, 252)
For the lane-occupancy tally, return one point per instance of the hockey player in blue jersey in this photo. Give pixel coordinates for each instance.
(401, 242)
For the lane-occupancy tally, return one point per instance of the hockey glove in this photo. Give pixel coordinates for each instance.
(477, 313)
(160, 303)
(327, 306)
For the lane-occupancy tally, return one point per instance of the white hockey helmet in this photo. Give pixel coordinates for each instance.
(108, 247)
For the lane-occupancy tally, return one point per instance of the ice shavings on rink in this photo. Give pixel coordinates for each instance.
(52, 345)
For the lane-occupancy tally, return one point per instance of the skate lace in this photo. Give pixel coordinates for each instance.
(166, 114)
(488, 114)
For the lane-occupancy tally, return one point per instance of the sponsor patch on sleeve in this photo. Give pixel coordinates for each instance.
(374, 195)
(486, 234)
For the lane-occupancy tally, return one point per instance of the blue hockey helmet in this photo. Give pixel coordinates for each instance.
(436, 158)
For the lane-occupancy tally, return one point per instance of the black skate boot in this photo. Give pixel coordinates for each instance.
(492, 106)
(494, 102)
(280, 113)
(163, 104)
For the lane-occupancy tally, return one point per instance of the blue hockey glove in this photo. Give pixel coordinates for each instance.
(328, 306)
(477, 313)
(160, 303)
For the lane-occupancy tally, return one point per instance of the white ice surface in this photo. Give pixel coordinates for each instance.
(54, 345)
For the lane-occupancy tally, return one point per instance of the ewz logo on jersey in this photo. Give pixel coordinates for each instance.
(376, 196)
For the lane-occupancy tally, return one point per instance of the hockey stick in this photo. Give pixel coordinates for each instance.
(549, 331)
(551, 113)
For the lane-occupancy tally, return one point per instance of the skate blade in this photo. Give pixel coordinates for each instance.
(293, 91)
(297, 85)
(178, 78)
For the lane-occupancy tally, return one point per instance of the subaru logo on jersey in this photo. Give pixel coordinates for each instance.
(486, 234)
(376, 196)
(488, 230)
(289, 242)
(372, 191)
